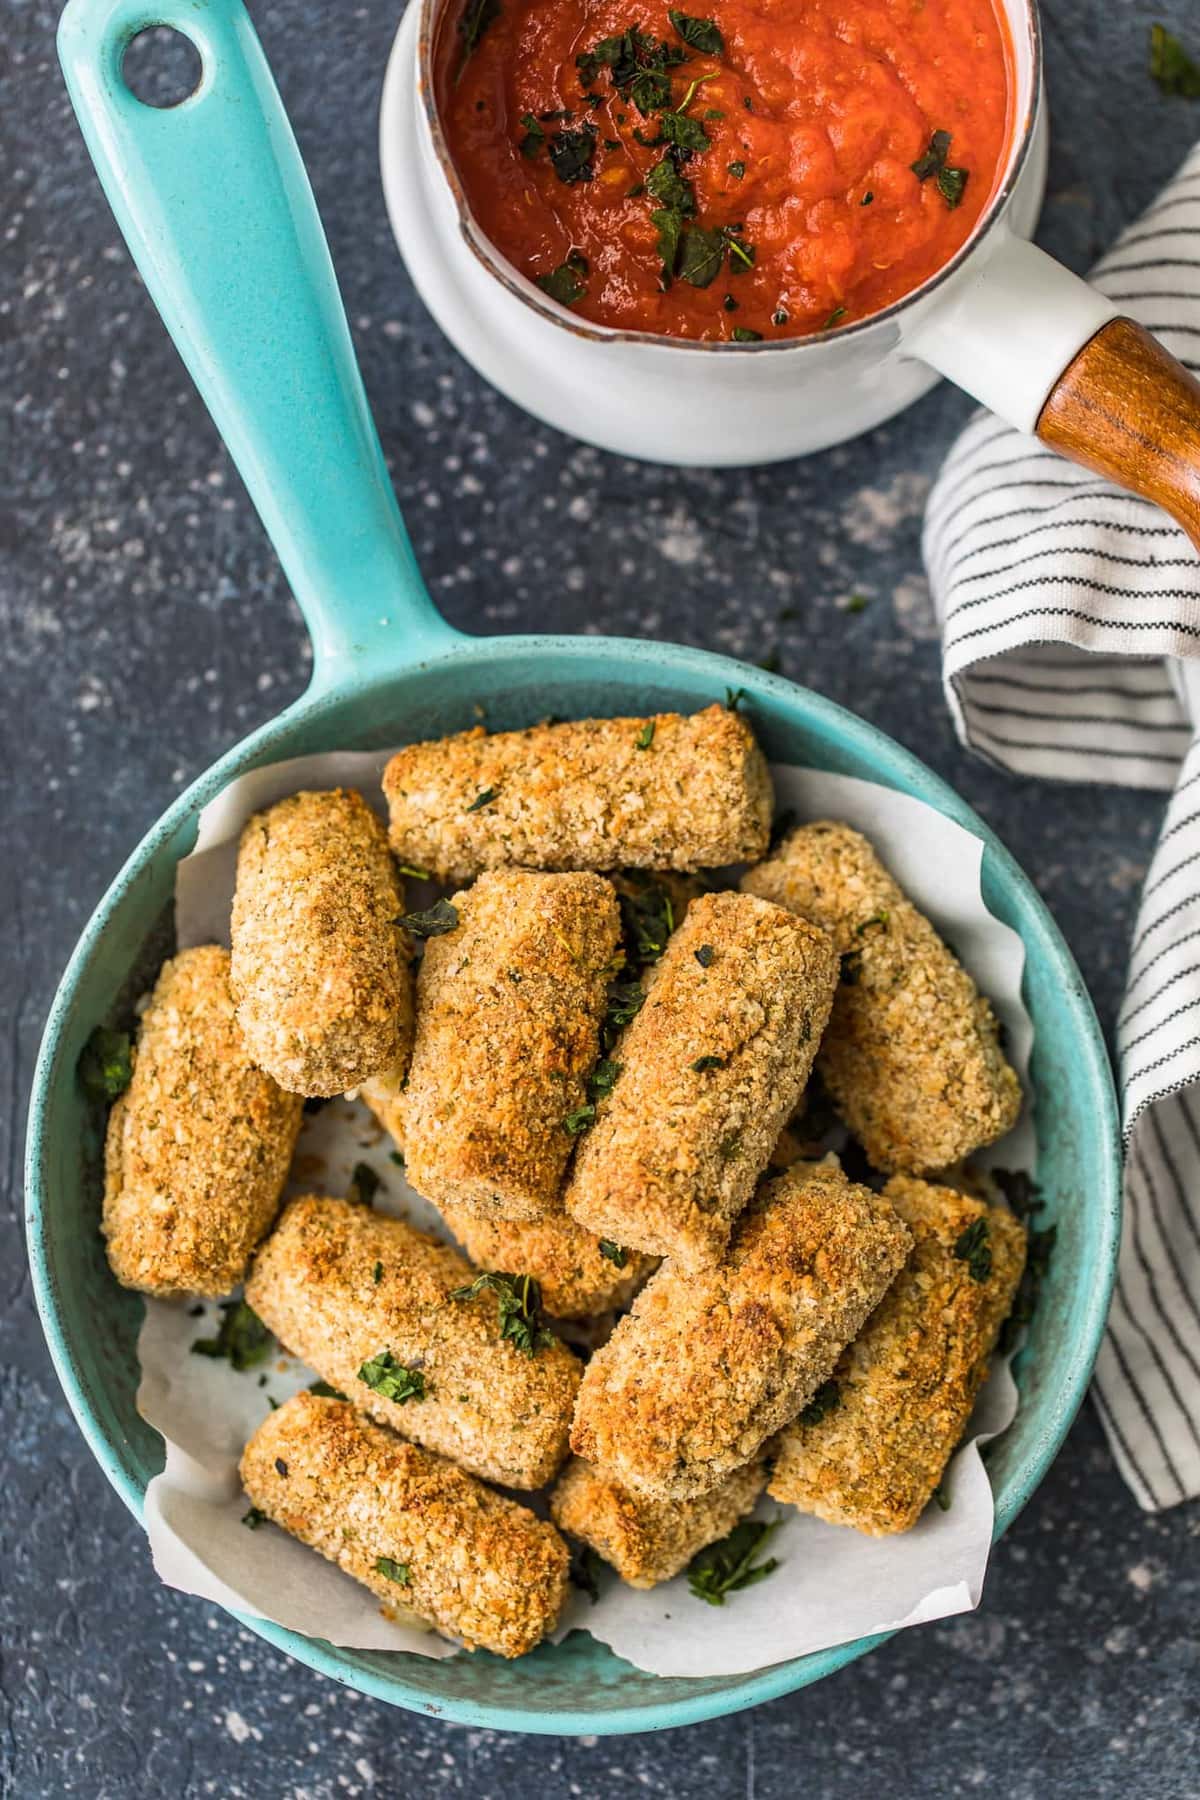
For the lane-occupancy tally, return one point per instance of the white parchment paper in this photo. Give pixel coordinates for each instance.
(832, 1584)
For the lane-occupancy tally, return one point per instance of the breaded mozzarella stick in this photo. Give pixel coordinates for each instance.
(368, 1302)
(508, 1029)
(912, 1058)
(711, 1068)
(320, 970)
(419, 1533)
(198, 1145)
(879, 1440)
(703, 1370)
(648, 1541)
(671, 792)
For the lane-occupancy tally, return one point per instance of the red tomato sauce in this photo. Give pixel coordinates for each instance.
(794, 206)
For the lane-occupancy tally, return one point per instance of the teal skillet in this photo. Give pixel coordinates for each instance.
(215, 205)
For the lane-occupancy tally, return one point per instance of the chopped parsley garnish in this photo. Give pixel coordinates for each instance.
(585, 1570)
(412, 870)
(779, 317)
(482, 799)
(742, 334)
(281, 1467)
(253, 1519)
(827, 1399)
(1176, 72)
(571, 154)
(242, 1339)
(857, 603)
(534, 138)
(396, 1156)
(637, 64)
(1024, 1198)
(476, 16)
(726, 1567)
(700, 34)
(705, 956)
(377, 1276)
(737, 170)
(942, 1498)
(729, 303)
(391, 1380)
(578, 1121)
(364, 1185)
(439, 919)
(106, 1064)
(645, 736)
(734, 698)
(614, 1253)
(951, 182)
(395, 1571)
(867, 198)
(703, 1064)
(973, 1248)
(316, 1103)
(838, 313)
(701, 256)
(647, 918)
(324, 1391)
(603, 1078)
(519, 1299)
(878, 922)
(565, 285)
(625, 1000)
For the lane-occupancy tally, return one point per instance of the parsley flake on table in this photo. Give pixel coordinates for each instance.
(1176, 72)
(242, 1339)
(391, 1380)
(106, 1063)
(519, 1300)
(729, 1566)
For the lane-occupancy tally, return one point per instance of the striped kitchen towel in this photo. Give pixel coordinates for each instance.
(1070, 617)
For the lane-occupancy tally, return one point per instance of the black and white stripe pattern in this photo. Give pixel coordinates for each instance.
(1070, 618)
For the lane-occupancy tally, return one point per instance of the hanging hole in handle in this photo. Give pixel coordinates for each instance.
(161, 67)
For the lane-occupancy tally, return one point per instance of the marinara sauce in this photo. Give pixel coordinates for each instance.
(762, 169)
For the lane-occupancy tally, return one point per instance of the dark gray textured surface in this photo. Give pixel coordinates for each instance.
(145, 626)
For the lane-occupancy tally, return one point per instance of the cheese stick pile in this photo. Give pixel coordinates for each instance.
(588, 1053)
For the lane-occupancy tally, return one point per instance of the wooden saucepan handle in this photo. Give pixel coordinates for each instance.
(1127, 409)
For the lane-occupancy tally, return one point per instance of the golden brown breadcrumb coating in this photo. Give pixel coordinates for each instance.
(648, 1541)
(199, 1144)
(320, 971)
(712, 1067)
(342, 1286)
(702, 1371)
(902, 1393)
(419, 1533)
(508, 1028)
(672, 792)
(911, 1058)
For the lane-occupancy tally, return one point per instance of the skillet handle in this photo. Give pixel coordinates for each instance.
(215, 206)
(1051, 354)
(1126, 408)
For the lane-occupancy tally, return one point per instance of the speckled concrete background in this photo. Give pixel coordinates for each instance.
(145, 627)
